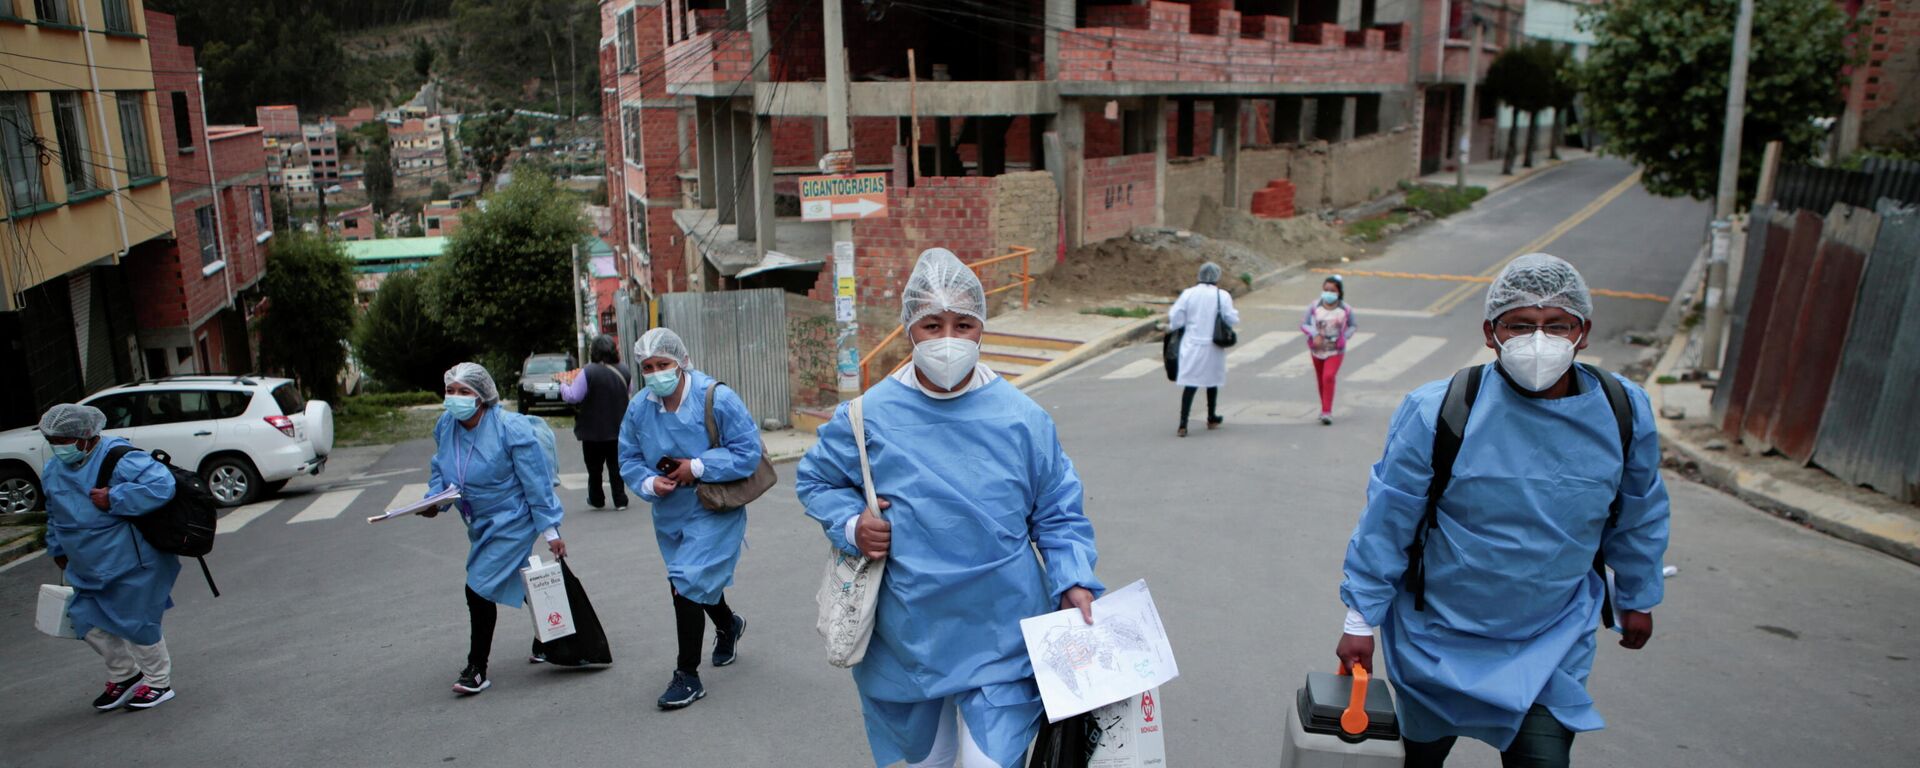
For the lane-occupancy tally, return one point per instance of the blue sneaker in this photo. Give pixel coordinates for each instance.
(723, 642)
(685, 689)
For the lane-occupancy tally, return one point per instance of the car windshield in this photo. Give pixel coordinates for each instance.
(544, 365)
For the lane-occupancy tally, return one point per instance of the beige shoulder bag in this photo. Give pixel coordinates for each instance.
(850, 589)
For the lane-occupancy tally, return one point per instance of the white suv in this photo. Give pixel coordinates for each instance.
(246, 435)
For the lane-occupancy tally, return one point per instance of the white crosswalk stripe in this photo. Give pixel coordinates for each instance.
(1257, 348)
(1400, 359)
(240, 516)
(1133, 370)
(327, 507)
(1302, 364)
(409, 493)
(574, 481)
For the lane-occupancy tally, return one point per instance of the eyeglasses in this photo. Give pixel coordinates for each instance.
(1563, 330)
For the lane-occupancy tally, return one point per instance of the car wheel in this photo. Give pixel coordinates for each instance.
(19, 491)
(232, 480)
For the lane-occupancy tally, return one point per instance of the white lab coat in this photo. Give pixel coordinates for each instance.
(1201, 363)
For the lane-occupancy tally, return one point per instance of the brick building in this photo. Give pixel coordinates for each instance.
(1883, 100)
(194, 291)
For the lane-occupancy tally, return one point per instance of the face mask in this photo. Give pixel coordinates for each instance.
(69, 453)
(946, 361)
(663, 383)
(1329, 298)
(1537, 360)
(462, 407)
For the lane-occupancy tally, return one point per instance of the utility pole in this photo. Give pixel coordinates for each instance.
(846, 351)
(1727, 194)
(1466, 110)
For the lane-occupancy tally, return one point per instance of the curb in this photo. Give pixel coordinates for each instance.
(1895, 535)
(1089, 350)
(19, 551)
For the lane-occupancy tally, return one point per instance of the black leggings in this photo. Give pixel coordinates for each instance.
(1186, 403)
(482, 614)
(690, 622)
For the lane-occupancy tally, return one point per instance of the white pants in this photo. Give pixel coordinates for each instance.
(953, 746)
(124, 658)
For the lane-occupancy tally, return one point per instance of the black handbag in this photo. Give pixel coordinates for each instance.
(1065, 744)
(588, 643)
(1170, 352)
(1223, 334)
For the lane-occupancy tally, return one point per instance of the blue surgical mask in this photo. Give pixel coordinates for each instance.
(462, 407)
(70, 453)
(663, 383)
(1329, 298)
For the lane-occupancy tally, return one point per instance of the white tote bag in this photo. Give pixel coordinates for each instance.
(850, 589)
(50, 614)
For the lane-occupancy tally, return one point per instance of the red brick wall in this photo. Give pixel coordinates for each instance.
(1120, 195)
(1893, 34)
(1257, 54)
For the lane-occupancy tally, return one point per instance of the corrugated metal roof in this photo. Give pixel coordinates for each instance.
(395, 248)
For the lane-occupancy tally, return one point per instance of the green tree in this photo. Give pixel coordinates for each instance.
(422, 57)
(372, 141)
(1517, 78)
(309, 288)
(488, 140)
(506, 41)
(504, 280)
(1656, 85)
(400, 341)
(440, 190)
(258, 52)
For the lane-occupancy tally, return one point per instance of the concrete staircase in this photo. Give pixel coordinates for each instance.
(1014, 355)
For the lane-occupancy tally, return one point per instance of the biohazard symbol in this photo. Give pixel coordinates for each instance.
(555, 619)
(1146, 706)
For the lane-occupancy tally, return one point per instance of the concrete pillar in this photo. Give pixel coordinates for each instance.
(1059, 15)
(1349, 117)
(744, 158)
(1328, 113)
(1156, 115)
(1289, 119)
(764, 224)
(1071, 126)
(1227, 125)
(726, 168)
(707, 139)
(759, 224)
(1183, 138)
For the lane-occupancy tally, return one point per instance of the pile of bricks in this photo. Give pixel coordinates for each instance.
(1275, 201)
(1209, 41)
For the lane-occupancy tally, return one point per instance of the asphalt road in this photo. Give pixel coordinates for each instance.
(336, 641)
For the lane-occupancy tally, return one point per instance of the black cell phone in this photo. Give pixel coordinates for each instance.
(667, 466)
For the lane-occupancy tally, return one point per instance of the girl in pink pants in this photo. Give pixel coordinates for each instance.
(1328, 325)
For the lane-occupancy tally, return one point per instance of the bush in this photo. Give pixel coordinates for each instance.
(1442, 201)
(309, 288)
(394, 400)
(402, 344)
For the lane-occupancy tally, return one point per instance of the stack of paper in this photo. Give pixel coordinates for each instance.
(1081, 666)
(436, 501)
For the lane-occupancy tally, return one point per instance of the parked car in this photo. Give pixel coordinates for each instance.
(537, 387)
(246, 435)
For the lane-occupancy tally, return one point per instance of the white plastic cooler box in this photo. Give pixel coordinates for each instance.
(1340, 721)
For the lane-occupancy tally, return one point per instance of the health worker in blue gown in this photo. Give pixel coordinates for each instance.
(121, 584)
(1503, 645)
(970, 476)
(507, 501)
(665, 452)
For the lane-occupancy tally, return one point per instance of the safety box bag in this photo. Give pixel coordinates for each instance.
(1128, 733)
(50, 615)
(547, 600)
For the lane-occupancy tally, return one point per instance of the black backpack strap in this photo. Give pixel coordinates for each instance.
(209, 575)
(1448, 433)
(112, 462)
(1623, 419)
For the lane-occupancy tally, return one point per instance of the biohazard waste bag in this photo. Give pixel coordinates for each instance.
(588, 643)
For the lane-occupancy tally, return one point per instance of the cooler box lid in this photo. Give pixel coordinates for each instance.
(1325, 697)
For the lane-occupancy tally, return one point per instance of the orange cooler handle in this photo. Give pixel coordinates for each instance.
(1354, 720)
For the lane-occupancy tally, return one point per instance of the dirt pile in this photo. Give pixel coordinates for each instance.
(1153, 264)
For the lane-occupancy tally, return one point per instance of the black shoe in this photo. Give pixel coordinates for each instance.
(117, 694)
(619, 505)
(685, 689)
(1182, 432)
(148, 697)
(536, 656)
(723, 642)
(1214, 422)
(596, 504)
(1326, 419)
(472, 680)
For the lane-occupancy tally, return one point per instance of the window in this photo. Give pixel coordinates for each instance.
(182, 121)
(70, 125)
(122, 410)
(637, 227)
(118, 19)
(52, 11)
(288, 397)
(230, 404)
(175, 407)
(630, 120)
(209, 235)
(433, 222)
(19, 153)
(133, 131)
(257, 199)
(629, 58)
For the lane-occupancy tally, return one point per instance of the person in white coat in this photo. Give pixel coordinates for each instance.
(1202, 363)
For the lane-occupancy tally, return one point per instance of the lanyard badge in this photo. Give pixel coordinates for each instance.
(466, 510)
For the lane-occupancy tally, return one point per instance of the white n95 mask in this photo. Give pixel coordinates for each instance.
(1536, 360)
(946, 361)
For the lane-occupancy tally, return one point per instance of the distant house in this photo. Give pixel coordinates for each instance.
(356, 224)
(374, 260)
(440, 217)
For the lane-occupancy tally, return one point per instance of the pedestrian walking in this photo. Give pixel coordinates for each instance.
(972, 479)
(1481, 550)
(122, 586)
(598, 393)
(507, 501)
(1203, 364)
(665, 451)
(1328, 325)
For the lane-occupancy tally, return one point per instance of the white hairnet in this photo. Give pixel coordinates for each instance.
(661, 342)
(76, 421)
(940, 283)
(1210, 273)
(1539, 280)
(475, 376)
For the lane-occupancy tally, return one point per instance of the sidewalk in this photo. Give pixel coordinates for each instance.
(1778, 485)
(1487, 172)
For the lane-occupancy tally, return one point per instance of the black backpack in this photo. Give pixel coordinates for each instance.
(183, 526)
(1455, 409)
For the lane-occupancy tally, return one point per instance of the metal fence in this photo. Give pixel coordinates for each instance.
(1825, 350)
(1812, 188)
(739, 337)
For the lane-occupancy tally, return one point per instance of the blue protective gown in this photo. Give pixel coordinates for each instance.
(700, 546)
(974, 482)
(121, 584)
(507, 481)
(1512, 598)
